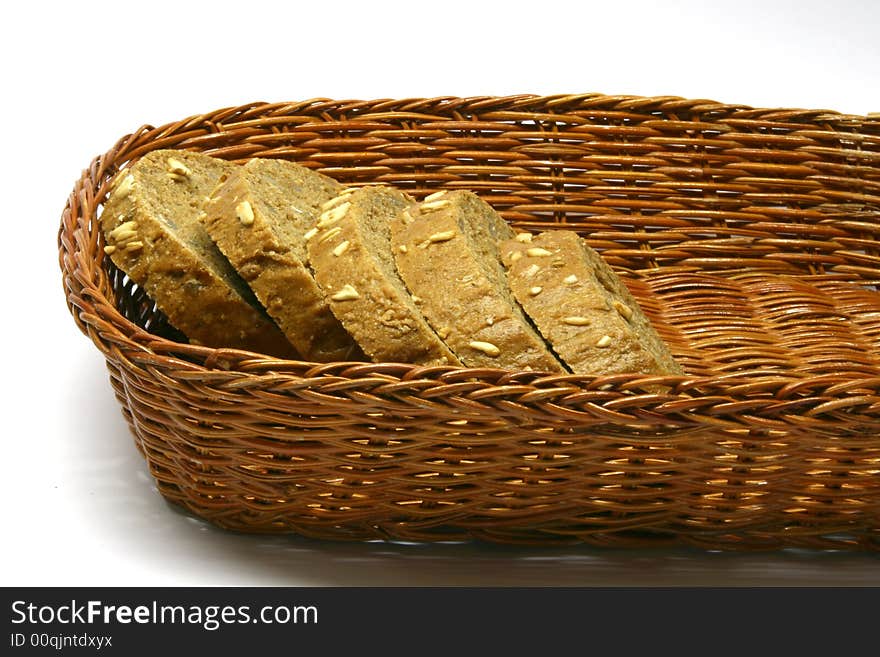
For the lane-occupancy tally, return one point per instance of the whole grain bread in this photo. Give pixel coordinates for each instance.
(447, 254)
(350, 255)
(581, 307)
(259, 216)
(153, 234)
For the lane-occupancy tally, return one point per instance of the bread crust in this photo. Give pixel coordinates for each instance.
(581, 307)
(152, 233)
(265, 243)
(447, 255)
(350, 257)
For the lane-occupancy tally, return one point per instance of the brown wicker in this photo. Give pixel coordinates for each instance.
(750, 236)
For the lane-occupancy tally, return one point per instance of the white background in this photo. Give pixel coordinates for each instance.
(79, 506)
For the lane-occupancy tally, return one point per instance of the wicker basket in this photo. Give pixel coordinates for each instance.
(751, 237)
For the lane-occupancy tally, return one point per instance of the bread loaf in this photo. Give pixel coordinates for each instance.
(581, 306)
(152, 232)
(351, 274)
(258, 217)
(446, 250)
(350, 254)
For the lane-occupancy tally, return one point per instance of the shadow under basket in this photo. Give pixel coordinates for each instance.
(751, 238)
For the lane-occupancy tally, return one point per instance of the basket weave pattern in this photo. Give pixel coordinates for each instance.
(751, 238)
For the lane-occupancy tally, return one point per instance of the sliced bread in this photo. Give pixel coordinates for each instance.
(581, 307)
(258, 216)
(152, 232)
(446, 252)
(350, 255)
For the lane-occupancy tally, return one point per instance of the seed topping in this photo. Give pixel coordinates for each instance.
(538, 252)
(444, 236)
(177, 169)
(330, 217)
(486, 347)
(330, 234)
(123, 228)
(604, 341)
(124, 236)
(124, 187)
(624, 310)
(245, 213)
(347, 293)
(336, 200)
(341, 248)
(434, 205)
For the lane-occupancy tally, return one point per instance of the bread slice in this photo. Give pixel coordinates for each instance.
(350, 255)
(152, 232)
(581, 307)
(447, 254)
(258, 217)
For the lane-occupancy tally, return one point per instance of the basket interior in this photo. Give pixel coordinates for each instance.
(748, 236)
